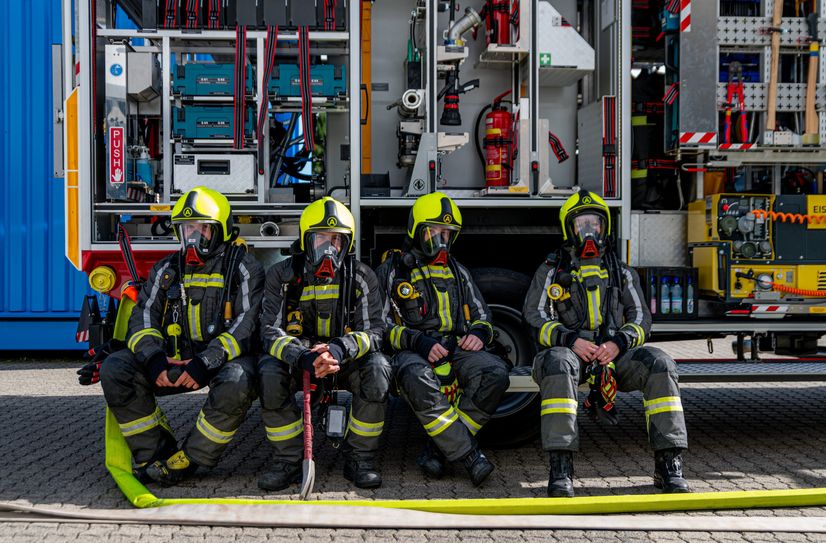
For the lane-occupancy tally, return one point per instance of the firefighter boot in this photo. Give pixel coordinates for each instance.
(359, 468)
(173, 470)
(432, 461)
(477, 466)
(166, 448)
(668, 471)
(281, 475)
(561, 479)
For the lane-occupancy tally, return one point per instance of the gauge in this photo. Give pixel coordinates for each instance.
(765, 247)
(748, 249)
(746, 223)
(728, 225)
(764, 281)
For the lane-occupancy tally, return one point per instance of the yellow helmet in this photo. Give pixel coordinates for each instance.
(586, 223)
(211, 211)
(326, 216)
(434, 223)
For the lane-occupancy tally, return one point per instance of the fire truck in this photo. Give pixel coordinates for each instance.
(700, 123)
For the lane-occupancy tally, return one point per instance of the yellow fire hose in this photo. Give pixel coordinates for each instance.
(119, 464)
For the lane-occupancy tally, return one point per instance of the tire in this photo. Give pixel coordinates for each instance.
(516, 421)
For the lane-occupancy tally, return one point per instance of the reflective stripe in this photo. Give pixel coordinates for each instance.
(396, 337)
(444, 311)
(543, 297)
(245, 297)
(639, 333)
(665, 404)
(211, 432)
(486, 324)
(278, 346)
(471, 424)
(319, 292)
(203, 280)
(480, 307)
(439, 272)
(288, 431)
(634, 296)
(194, 314)
(594, 314)
(230, 345)
(323, 326)
(441, 423)
(147, 309)
(137, 336)
(558, 405)
(363, 342)
(143, 424)
(591, 270)
(365, 429)
(365, 309)
(545, 333)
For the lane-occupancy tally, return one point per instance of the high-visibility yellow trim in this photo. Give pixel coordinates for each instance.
(278, 346)
(664, 404)
(445, 319)
(119, 464)
(396, 337)
(471, 424)
(594, 313)
(663, 399)
(365, 429)
(140, 334)
(430, 272)
(323, 327)
(283, 433)
(194, 315)
(558, 405)
(211, 432)
(143, 424)
(363, 342)
(441, 423)
(204, 280)
(545, 333)
(319, 292)
(230, 345)
(590, 270)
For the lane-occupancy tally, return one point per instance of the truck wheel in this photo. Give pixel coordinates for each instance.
(516, 421)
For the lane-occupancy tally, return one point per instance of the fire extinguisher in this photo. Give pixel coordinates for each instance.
(498, 18)
(499, 149)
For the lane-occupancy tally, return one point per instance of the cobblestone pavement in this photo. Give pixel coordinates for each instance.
(742, 437)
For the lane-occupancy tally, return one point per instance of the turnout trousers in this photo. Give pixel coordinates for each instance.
(368, 378)
(483, 380)
(131, 398)
(559, 371)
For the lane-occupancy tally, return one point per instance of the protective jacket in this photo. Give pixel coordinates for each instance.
(592, 301)
(181, 308)
(349, 308)
(444, 301)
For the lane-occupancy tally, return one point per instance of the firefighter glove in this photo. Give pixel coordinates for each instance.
(423, 344)
(197, 369)
(337, 350)
(89, 373)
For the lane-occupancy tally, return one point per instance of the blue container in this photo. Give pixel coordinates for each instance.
(40, 292)
(327, 80)
(208, 122)
(208, 79)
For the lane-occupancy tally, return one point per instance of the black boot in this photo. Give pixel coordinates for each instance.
(432, 461)
(561, 479)
(668, 471)
(166, 448)
(173, 470)
(477, 466)
(281, 475)
(359, 468)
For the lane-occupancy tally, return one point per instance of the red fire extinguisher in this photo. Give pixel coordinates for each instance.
(498, 17)
(499, 144)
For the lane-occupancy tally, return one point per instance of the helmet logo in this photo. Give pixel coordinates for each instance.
(332, 221)
(447, 219)
(586, 200)
(187, 212)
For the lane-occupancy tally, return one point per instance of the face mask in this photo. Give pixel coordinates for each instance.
(436, 240)
(325, 252)
(200, 243)
(588, 234)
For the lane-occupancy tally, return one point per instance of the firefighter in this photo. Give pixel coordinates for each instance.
(192, 327)
(439, 327)
(586, 309)
(322, 312)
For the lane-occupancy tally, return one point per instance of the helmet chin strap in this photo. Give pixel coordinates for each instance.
(325, 270)
(589, 250)
(440, 259)
(192, 257)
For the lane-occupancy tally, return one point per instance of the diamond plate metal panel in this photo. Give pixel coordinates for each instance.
(790, 96)
(754, 31)
(193, 170)
(656, 239)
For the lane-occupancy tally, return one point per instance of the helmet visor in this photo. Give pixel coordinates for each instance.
(433, 238)
(589, 226)
(203, 236)
(321, 244)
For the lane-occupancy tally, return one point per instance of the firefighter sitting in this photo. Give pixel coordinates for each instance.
(587, 310)
(322, 313)
(439, 326)
(192, 327)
